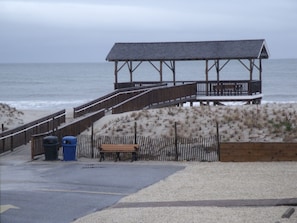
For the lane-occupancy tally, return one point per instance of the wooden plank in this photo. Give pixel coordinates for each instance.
(119, 147)
(258, 151)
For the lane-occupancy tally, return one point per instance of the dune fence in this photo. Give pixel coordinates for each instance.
(158, 149)
(207, 149)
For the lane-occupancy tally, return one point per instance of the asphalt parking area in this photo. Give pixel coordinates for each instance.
(64, 191)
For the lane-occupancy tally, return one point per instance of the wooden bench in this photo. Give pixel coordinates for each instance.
(224, 87)
(119, 148)
(236, 88)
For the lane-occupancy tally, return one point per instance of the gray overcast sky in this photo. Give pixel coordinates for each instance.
(84, 31)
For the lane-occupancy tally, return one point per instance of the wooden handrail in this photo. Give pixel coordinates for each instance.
(13, 138)
(108, 101)
(155, 96)
(74, 128)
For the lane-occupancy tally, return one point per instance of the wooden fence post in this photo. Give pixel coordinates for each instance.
(92, 140)
(218, 141)
(135, 133)
(175, 142)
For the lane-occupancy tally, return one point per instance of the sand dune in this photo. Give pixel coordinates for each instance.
(275, 122)
(267, 122)
(11, 117)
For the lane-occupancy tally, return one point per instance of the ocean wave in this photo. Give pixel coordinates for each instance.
(44, 105)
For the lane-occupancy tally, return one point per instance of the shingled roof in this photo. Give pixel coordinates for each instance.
(206, 50)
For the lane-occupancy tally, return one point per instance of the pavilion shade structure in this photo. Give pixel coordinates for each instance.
(216, 54)
(206, 50)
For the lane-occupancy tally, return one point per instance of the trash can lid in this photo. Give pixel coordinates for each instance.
(50, 140)
(69, 137)
(69, 140)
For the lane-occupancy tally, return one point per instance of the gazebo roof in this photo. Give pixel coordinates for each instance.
(205, 50)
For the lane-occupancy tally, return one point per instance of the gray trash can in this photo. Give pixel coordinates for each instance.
(51, 147)
(69, 148)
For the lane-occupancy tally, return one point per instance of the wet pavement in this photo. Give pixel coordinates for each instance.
(60, 191)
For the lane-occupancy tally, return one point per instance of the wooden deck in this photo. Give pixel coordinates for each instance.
(249, 99)
(215, 91)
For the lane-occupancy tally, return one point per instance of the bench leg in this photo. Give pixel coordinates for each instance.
(118, 156)
(134, 156)
(102, 156)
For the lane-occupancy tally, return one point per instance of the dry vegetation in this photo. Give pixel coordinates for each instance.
(10, 117)
(268, 122)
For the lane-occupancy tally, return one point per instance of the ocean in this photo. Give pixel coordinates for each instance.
(54, 86)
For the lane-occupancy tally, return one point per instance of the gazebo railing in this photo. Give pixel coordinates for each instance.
(228, 88)
(215, 88)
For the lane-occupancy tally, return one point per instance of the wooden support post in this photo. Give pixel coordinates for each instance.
(260, 73)
(251, 69)
(161, 71)
(131, 71)
(206, 76)
(218, 70)
(116, 73)
(173, 71)
(219, 90)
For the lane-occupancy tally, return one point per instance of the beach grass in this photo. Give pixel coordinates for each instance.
(267, 122)
(271, 122)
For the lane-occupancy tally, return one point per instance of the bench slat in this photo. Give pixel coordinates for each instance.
(119, 148)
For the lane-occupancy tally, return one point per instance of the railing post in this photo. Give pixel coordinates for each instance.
(32, 147)
(92, 140)
(3, 145)
(11, 143)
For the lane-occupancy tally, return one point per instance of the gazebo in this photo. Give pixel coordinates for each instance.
(216, 54)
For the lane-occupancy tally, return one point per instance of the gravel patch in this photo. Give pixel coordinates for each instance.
(212, 181)
(206, 181)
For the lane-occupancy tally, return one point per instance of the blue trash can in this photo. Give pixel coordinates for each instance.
(69, 148)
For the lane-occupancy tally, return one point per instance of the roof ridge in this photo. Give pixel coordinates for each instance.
(206, 41)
